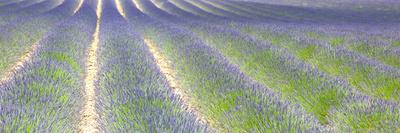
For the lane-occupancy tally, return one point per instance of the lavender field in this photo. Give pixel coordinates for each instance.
(194, 66)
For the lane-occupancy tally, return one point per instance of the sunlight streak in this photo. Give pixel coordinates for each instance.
(88, 123)
(120, 8)
(165, 67)
(79, 6)
(9, 75)
(139, 6)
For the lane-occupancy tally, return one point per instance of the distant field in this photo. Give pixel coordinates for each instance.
(199, 66)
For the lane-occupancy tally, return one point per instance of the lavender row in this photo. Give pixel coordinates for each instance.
(220, 91)
(133, 95)
(13, 13)
(368, 76)
(272, 66)
(45, 96)
(377, 45)
(16, 38)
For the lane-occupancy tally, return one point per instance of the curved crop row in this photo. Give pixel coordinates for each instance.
(133, 94)
(16, 38)
(365, 75)
(318, 93)
(221, 92)
(46, 95)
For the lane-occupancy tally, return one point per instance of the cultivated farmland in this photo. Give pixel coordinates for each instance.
(199, 66)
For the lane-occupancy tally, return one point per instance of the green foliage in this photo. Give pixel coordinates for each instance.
(18, 41)
(63, 57)
(314, 35)
(376, 120)
(336, 41)
(307, 52)
(396, 43)
(264, 66)
(328, 61)
(217, 91)
(379, 53)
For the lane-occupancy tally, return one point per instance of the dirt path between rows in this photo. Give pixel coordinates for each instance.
(88, 122)
(78, 7)
(164, 66)
(21, 62)
(120, 8)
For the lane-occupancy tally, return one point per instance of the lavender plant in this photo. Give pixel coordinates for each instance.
(269, 67)
(371, 46)
(317, 92)
(233, 66)
(133, 94)
(364, 74)
(45, 96)
(29, 9)
(222, 92)
(362, 114)
(16, 38)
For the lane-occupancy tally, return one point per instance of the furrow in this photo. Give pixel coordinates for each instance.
(165, 67)
(88, 123)
(19, 64)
